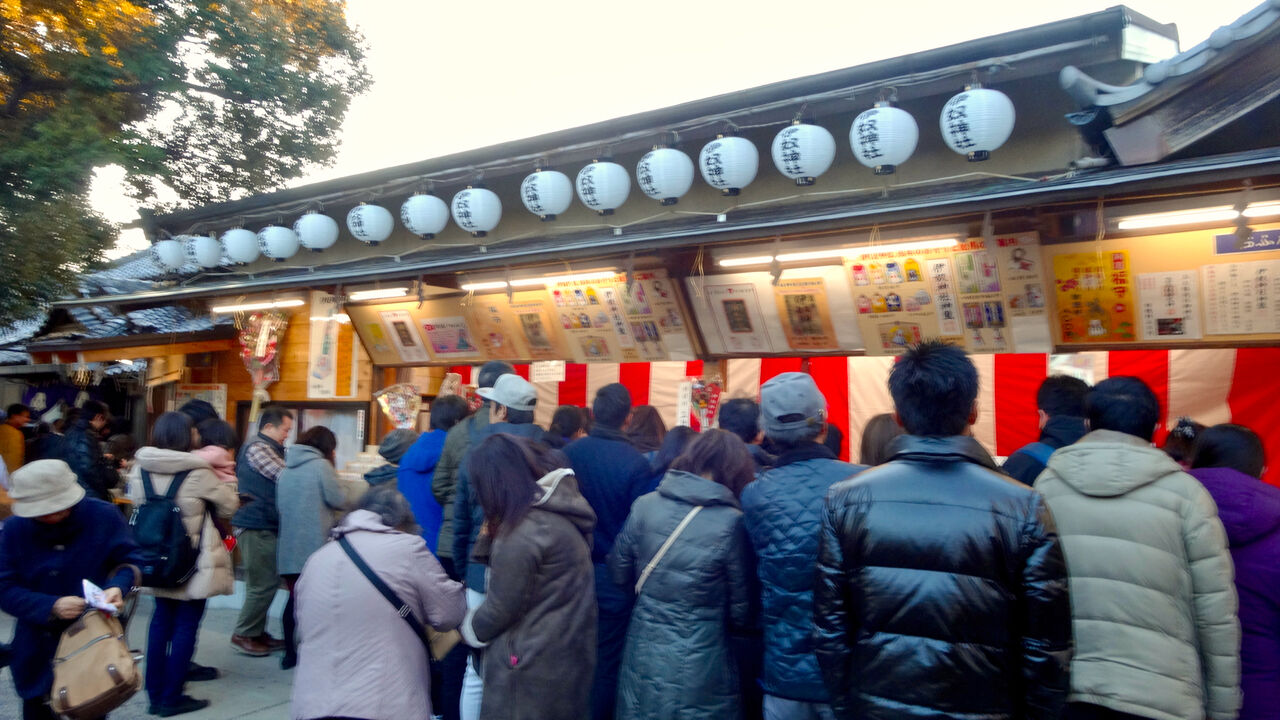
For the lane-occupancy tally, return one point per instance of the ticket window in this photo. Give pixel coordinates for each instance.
(348, 421)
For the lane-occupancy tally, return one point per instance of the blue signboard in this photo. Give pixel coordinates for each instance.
(1258, 241)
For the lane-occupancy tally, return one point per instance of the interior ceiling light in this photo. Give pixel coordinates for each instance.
(474, 287)
(1262, 209)
(840, 252)
(1198, 216)
(378, 294)
(340, 317)
(264, 305)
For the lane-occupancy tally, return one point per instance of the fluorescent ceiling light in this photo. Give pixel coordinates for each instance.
(554, 279)
(1197, 216)
(473, 287)
(265, 305)
(125, 361)
(739, 262)
(340, 317)
(1262, 209)
(378, 294)
(840, 252)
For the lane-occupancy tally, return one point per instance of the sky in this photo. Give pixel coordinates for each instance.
(447, 78)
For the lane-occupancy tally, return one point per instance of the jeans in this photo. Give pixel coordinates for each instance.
(614, 607)
(170, 644)
(472, 685)
(258, 551)
(446, 675)
(777, 708)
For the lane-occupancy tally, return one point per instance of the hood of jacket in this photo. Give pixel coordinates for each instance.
(299, 455)
(695, 489)
(361, 521)
(382, 474)
(168, 462)
(1063, 430)
(928, 448)
(560, 495)
(1106, 463)
(1248, 507)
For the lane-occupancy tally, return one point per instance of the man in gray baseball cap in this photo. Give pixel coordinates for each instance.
(782, 509)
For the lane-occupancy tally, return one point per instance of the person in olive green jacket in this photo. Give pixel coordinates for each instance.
(1152, 595)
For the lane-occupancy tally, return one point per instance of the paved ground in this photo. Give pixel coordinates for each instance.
(249, 687)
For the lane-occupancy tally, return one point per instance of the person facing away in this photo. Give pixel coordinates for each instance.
(82, 449)
(536, 621)
(392, 449)
(1180, 443)
(645, 429)
(1060, 406)
(258, 467)
(611, 475)
(781, 510)
(877, 437)
(1153, 604)
(941, 588)
(685, 554)
(461, 438)
(567, 424)
(175, 624)
(741, 416)
(673, 446)
(418, 466)
(358, 657)
(13, 443)
(1229, 461)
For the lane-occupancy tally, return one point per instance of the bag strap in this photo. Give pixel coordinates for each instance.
(147, 488)
(648, 569)
(402, 608)
(175, 483)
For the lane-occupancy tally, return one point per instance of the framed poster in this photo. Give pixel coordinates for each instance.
(450, 338)
(1094, 297)
(404, 335)
(805, 315)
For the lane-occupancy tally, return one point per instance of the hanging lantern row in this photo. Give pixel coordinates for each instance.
(973, 123)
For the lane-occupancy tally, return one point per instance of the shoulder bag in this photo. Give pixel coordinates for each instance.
(648, 569)
(94, 671)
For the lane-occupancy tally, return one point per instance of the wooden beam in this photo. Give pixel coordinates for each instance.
(148, 351)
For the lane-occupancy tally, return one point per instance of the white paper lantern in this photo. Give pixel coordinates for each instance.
(546, 193)
(803, 151)
(315, 231)
(170, 253)
(278, 243)
(729, 163)
(665, 174)
(603, 186)
(884, 137)
(203, 250)
(370, 223)
(977, 121)
(240, 245)
(476, 210)
(424, 215)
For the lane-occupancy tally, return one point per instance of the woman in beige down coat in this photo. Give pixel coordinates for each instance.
(176, 622)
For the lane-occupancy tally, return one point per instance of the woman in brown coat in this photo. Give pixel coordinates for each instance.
(538, 620)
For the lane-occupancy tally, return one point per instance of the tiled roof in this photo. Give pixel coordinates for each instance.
(13, 340)
(140, 271)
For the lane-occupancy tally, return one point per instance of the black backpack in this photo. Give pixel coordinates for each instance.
(167, 558)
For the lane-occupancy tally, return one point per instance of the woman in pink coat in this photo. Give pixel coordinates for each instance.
(357, 658)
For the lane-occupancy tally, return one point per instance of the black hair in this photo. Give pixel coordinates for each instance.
(17, 409)
(322, 439)
(491, 371)
(673, 446)
(876, 436)
(217, 432)
(273, 415)
(172, 431)
(121, 447)
(93, 408)
(741, 416)
(391, 507)
(1180, 443)
(723, 456)
(834, 439)
(645, 428)
(1062, 395)
(448, 411)
(1230, 446)
(566, 422)
(934, 386)
(612, 405)
(519, 417)
(198, 410)
(1123, 404)
(504, 470)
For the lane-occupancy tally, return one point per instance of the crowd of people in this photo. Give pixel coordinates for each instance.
(610, 567)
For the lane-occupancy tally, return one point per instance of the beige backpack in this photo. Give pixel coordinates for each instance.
(94, 671)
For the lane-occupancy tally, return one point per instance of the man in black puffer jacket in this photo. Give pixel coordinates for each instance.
(942, 589)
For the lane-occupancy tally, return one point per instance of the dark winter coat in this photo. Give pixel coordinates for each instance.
(1059, 431)
(386, 474)
(677, 662)
(417, 469)
(468, 516)
(82, 450)
(538, 618)
(40, 563)
(444, 483)
(612, 474)
(941, 591)
(1250, 511)
(782, 510)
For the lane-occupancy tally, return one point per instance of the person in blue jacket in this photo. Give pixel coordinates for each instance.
(418, 466)
(56, 539)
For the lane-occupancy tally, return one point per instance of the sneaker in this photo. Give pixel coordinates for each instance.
(184, 705)
(249, 646)
(273, 644)
(201, 673)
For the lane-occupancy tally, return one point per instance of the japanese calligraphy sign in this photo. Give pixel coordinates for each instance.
(605, 320)
(1095, 297)
(1168, 305)
(806, 318)
(1242, 298)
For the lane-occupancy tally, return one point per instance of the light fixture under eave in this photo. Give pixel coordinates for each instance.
(378, 294)
(340, 317)
(745, 261)
(932, 244)
(1262, 209)
(264, 305)
(475, 287)
(1197, 216)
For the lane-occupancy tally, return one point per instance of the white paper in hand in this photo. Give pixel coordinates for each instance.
(94, 597)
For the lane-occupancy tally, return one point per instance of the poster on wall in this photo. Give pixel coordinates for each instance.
(450, 338)
(805, 315)
(607, 320)
(495, 328)
(1167, 304)
(1094, 297)
(1019, 257)
(1242, 298)
(403, 335)
(735, 308)
(331, 362)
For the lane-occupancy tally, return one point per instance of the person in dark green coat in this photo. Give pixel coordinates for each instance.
(677, 662)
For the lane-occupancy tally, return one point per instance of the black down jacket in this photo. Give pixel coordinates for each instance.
(941, 591)
(677, 662)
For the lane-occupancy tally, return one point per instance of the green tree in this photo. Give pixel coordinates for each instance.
(200, 102)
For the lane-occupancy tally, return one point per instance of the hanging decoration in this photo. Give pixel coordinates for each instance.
(729, 163)
(884, 137)
(401, 404)
(370, 224)
(546, 193)
(665, 174)
(603, 186)
(476, 210)
(240, 246)
(424, 215)
(316, 232)
(203, 250)
(803, 151)
(977, 121)
(706, 400)
(277, 242)
(260, 335)
(170, 253)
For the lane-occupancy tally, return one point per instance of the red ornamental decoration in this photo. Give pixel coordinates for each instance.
(260, 336)
(706, 400)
